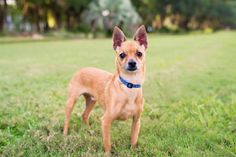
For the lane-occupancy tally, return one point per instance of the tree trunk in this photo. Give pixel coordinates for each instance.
(3, 11)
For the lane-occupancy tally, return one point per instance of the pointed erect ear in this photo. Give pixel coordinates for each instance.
(141, 36)
(118, 38)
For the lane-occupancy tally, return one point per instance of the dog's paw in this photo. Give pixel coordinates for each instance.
(107, 154)
(134, 146)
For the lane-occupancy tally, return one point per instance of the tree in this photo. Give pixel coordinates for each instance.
(3, 12)
(73, 11)
(105, 14)
(147, 9)
(189, 14)
(33, 11)
(63, 12)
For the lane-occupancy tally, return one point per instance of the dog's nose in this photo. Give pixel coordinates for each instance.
(132, 64)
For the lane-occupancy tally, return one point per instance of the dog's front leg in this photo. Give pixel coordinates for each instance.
(106, 126)
(135, 130)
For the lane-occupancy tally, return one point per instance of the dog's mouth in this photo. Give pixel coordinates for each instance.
(132, 69)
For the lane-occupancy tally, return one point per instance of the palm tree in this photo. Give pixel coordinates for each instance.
(105, 14)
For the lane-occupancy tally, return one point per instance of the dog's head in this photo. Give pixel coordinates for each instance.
(130, 55)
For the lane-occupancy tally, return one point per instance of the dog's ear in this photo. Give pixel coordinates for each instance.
(141, 36)
(118, 37)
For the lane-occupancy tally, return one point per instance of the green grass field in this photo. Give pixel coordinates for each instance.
(190, 98)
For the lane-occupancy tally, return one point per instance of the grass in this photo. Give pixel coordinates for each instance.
(190, 98)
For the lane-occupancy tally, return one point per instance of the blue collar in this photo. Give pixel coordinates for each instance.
(128, 84)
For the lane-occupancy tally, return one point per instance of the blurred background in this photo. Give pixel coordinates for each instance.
(96, 18)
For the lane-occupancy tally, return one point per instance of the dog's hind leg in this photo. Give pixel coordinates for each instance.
(90, 103)
(69, 107)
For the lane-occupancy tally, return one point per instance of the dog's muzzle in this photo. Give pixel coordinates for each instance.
(132, 66)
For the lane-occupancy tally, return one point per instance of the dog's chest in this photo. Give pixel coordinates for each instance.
(130, 108)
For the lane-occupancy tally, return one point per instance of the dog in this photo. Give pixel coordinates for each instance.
(120, 94)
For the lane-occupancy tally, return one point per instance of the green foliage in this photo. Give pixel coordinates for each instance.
(217, 12)
(189, 14)
(190, 100)
(100, 15)
(65, 13)
(105, 14)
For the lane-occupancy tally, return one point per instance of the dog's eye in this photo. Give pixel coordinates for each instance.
(139, 54)
(122, 55)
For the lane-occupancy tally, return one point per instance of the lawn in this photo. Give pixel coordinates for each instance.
(190, 98)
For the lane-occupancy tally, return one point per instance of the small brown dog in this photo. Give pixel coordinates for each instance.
(120, 94)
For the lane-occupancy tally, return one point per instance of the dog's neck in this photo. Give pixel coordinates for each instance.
(136, 78)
